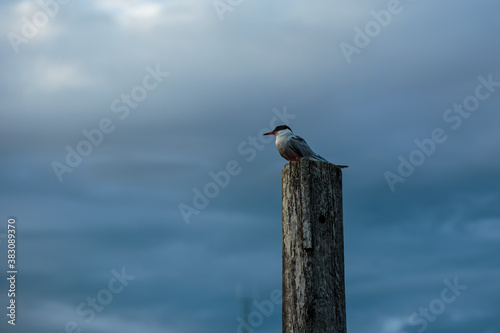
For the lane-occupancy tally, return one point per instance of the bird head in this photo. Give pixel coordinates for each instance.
(279, 129)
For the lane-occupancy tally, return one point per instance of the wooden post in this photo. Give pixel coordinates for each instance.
(313, 248)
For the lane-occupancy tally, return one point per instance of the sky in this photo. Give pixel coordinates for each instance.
(145, 199)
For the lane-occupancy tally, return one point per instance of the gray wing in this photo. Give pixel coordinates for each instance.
(302, 149)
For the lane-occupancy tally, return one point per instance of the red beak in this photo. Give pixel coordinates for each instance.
(270, 133)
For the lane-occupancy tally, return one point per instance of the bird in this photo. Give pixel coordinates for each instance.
(292, 147)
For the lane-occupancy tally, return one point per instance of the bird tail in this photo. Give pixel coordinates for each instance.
(341, 166)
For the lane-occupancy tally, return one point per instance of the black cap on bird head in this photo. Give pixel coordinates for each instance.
(277, 129)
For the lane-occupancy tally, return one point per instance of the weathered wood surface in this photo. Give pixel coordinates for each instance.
(313, 248)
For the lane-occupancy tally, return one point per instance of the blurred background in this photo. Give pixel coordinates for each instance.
(116, 117)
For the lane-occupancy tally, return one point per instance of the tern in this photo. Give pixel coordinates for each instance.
(292, 147)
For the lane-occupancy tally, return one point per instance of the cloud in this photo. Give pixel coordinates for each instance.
(119, 207)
